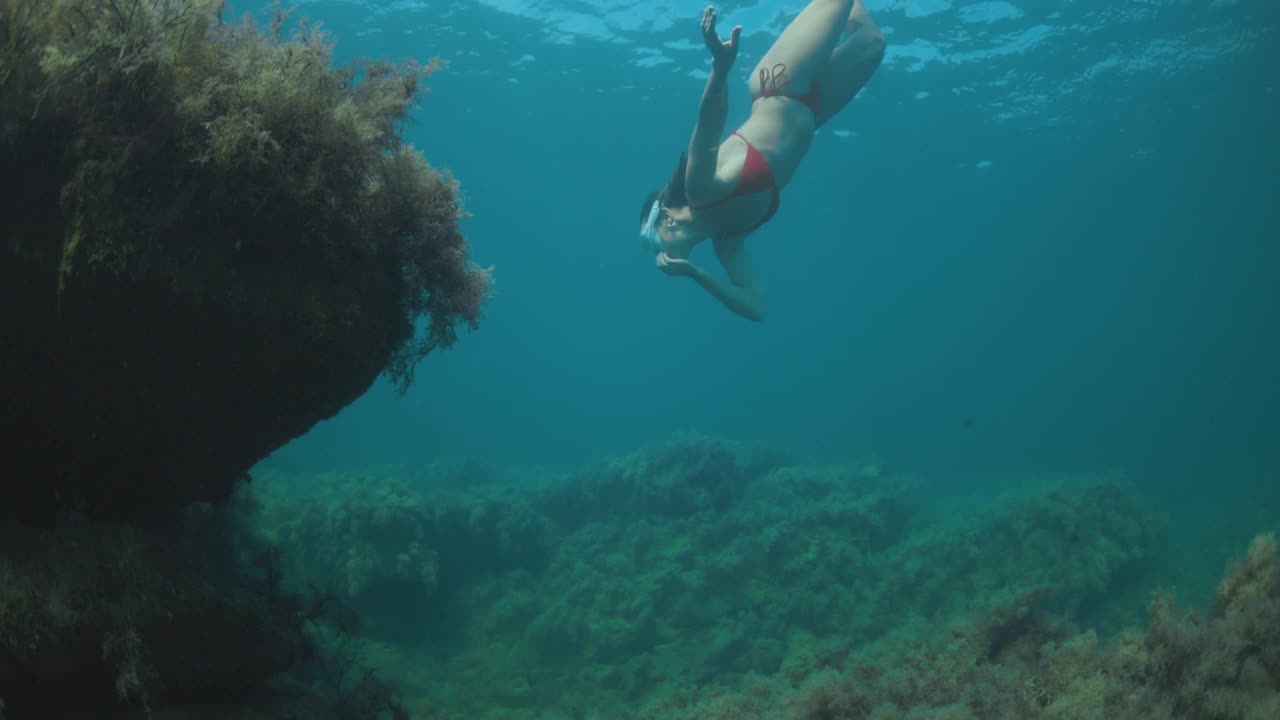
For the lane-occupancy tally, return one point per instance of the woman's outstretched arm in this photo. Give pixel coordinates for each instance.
(740, 294)
(704, 146)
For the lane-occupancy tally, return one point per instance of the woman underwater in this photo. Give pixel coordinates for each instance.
(725, 190)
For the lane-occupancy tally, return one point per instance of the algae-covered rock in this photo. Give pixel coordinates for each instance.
(96, 616)
(1011, 659)
(111, 621)
(398, 545)
(210, 239)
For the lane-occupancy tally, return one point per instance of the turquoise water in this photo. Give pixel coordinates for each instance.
(1006, 446)
(1042, 237)
(1038, 247)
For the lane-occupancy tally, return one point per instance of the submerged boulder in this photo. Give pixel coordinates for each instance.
(104, 617)
(210, 239)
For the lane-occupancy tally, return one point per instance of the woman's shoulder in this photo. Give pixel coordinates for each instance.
(719, 186)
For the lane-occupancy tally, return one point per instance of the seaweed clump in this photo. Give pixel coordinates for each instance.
(399, 547)
(212, 239)
(1012, 660)
(98, 618)
(696, 566)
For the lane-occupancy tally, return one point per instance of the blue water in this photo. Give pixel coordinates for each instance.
(1042, 238)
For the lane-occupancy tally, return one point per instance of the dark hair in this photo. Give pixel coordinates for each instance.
(648, 205)
(672, 194)
(675, 195)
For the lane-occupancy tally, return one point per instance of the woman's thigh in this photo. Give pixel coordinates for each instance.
(852, 65)
(802, 50)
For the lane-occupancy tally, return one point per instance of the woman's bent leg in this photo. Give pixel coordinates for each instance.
(851, 64)
(803, 49)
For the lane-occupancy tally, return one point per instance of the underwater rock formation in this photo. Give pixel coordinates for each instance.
(210, 239)
(689, 566)
(102, 620)
(397, 546)
(92, 615)
(1013, 662)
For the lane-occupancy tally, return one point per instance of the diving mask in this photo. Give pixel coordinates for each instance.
(649, 233)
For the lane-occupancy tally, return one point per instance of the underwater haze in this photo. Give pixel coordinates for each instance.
(1007, 444)
(1043, 238)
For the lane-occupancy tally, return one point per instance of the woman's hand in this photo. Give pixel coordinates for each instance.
(676, 267)
(722, 53)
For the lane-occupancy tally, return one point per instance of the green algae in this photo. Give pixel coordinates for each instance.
(705, 579)
(211, 220)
